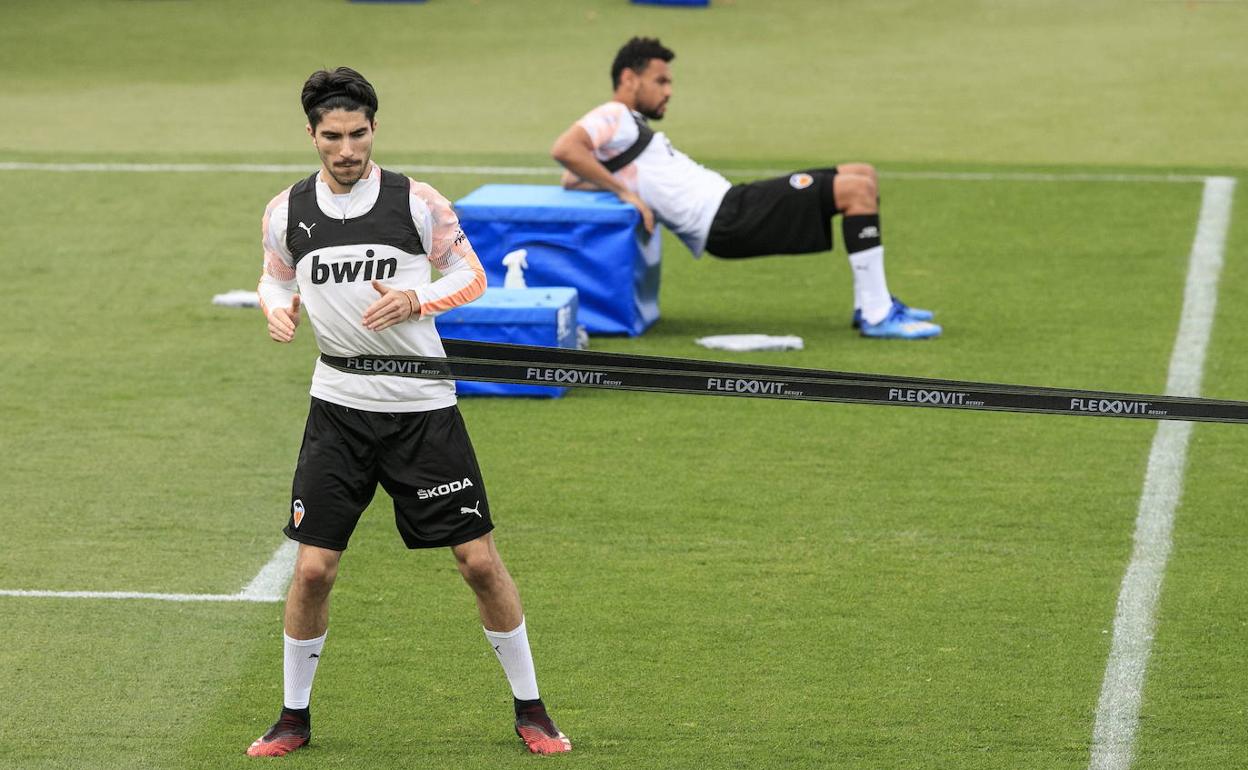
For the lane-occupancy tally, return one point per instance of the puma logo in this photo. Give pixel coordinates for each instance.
(307, 228)
(463, 510)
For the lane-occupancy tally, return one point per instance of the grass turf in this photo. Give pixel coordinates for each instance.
(718, 582)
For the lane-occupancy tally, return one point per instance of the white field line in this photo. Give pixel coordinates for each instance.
(1118, 711)
(553, 170)
(267, 586)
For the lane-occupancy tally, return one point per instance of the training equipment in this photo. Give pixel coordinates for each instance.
(590, 241)
(287, 734)
(535, 728)
(525, 316)
(582, 368)
(915, 313)
(899, 325)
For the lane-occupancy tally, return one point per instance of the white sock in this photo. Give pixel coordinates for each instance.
(301, 657)
(871, 293)
(512, 648)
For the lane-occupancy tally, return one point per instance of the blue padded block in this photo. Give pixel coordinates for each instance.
(519, 316)
(587, 240)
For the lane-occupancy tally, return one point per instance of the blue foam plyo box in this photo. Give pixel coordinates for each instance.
(591, 241)
(519, 316)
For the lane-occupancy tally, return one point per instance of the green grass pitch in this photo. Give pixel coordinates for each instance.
(712, 583)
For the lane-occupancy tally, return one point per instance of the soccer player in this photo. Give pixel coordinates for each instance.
(613, 148)
(353, 245)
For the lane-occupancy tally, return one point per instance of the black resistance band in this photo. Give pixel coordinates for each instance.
(533, 365)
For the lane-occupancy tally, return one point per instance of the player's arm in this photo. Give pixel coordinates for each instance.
(571, 181)
(278, 289)
(574, 150)
(462, 276)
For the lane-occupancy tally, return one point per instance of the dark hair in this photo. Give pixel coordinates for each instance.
(636, 55)
(342, 89)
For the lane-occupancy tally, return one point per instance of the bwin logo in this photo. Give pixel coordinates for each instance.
(444, 489)
(354, 270)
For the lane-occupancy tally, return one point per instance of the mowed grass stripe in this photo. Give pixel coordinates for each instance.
(1117, 715)
(1193, 708)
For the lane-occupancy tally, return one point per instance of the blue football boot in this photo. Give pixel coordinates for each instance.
(915, 313)
(900, 325)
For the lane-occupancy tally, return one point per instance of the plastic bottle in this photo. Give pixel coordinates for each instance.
(515, 263)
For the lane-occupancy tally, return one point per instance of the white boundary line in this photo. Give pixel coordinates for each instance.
(552, 170)
(1118, 711)
(267, 586)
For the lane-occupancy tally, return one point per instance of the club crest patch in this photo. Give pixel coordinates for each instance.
(801, 181)
(296, 512)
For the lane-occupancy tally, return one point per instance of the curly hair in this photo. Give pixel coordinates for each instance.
(636, 55)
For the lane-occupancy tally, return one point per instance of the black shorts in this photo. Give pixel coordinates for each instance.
(424, 461)
(785, 215)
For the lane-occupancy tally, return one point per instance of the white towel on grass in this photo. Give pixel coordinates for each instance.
(237, 298)
(743, 342)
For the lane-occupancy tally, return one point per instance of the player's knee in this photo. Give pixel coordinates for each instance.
(315, 573)
(479, 569)
(856, 193)
(858, 169)
(867, 187)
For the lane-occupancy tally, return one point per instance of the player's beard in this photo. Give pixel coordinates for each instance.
(347, 176)
(655, 113)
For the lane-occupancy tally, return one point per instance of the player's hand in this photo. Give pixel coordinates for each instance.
(284, 320)
(647, 216)
(394, 307)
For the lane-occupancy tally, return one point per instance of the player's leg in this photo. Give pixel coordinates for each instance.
(306, 622)
(333, 485)
(876, 312)
(498, 602)
(498, 599)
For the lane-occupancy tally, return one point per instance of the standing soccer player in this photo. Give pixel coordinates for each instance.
(613, 148)
(353, 244)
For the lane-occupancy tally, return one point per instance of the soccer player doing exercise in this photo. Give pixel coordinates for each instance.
(354, 245)
(613, 148)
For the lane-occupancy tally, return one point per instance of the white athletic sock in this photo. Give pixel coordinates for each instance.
(301, 657)
(512, 648)
(870, 287)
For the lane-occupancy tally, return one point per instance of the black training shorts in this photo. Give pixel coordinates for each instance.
(785, 215)
(424, 460)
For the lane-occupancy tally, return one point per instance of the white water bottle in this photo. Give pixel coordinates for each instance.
(515, 263)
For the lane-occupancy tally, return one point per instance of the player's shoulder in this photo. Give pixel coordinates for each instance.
(277, 212)
(612, 111)
(279, 200)
(426, 195)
